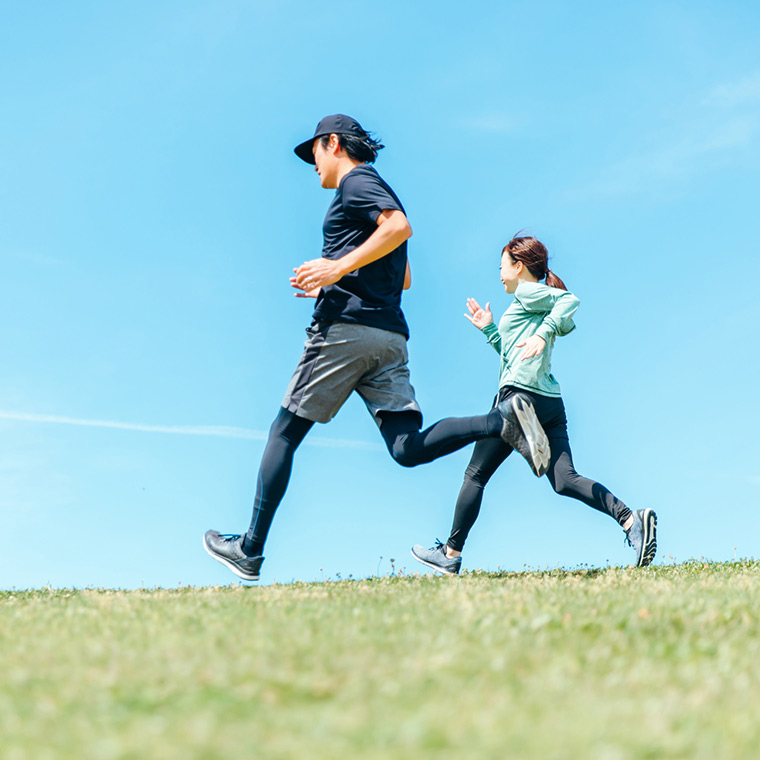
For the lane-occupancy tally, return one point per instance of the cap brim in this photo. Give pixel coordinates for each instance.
(305, 151)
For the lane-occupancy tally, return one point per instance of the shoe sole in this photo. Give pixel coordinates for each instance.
(525, 434)
(229, 564)
(434, 567)
(649, 542)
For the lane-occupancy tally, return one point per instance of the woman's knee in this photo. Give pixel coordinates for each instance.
(476, 476)
(564, 483)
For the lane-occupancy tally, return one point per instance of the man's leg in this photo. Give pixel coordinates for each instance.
(243, 554)
(410, 446)
(285, 436)
(335, 358)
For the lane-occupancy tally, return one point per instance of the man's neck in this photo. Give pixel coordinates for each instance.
(347, 165)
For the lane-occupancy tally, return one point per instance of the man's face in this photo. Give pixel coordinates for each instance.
(326, 162)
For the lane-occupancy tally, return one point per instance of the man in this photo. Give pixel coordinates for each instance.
(357, 340)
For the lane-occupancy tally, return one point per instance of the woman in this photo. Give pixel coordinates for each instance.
(524, 340)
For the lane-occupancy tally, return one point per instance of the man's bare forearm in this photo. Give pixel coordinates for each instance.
(392, 230)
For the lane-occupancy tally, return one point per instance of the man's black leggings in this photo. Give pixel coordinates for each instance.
(491, 452)
(407, 444)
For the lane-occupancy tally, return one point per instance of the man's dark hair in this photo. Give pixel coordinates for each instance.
(358, 148)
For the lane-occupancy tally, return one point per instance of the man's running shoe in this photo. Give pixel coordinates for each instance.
(437, 559)
(642, 536)
(228, 549)
(522, 430)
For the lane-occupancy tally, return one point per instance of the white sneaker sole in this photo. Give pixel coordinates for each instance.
(434, 567)
(649, 542)
(528, 437)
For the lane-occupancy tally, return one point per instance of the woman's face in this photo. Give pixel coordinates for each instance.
(510, 272)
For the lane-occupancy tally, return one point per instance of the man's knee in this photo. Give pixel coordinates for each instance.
(402, 455)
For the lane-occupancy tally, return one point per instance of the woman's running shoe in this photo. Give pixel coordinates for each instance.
(642, 536)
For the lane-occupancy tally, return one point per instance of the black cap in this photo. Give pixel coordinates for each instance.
(338, 124)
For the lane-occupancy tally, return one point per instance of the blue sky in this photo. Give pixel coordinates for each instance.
(151, 210)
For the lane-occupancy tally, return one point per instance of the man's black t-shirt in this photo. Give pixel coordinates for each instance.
(370, 295)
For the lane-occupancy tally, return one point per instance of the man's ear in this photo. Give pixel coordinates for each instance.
(334, 145)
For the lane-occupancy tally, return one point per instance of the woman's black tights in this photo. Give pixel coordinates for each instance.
(490, 453)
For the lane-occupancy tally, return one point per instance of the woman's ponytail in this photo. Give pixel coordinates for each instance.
(553, 281)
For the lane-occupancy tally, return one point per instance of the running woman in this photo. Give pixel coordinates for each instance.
(357, 341)
(524, 340)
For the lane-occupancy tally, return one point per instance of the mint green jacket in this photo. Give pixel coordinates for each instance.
(536, 310)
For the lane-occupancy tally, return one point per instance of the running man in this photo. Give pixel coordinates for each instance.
(357, 341)
(524, 340)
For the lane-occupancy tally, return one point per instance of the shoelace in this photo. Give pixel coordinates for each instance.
(441, 547)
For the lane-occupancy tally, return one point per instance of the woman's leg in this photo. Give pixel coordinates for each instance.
(486, 458)
(567, 482)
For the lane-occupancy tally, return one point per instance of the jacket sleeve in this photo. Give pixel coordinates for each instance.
(559, 306)
(492, 336)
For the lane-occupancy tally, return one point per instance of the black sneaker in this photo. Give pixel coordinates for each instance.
(228, 549)
(642, 536)
(522, 430)
(437, 559)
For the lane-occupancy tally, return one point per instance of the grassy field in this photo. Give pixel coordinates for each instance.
(609, 664)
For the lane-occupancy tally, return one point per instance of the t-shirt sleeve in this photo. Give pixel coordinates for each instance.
(365, 197)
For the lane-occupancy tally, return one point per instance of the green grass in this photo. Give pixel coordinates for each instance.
(609, 664)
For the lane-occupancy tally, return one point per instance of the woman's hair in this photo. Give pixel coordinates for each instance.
(358, 147)
(534, 255)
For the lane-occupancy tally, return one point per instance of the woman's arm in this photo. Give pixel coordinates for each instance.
(558, 321)
(483, 320)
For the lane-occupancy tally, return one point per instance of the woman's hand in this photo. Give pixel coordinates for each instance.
(479, 316)
(533, 347)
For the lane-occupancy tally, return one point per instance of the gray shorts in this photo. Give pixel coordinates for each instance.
(339, 358)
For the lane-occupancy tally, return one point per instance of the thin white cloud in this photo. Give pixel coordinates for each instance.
(219, 431)
(733, 94)
(716, 130)
(679, 159)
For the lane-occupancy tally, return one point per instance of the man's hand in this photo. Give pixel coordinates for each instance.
(315, 274)
(392, 230)
(533, 347)
(479, 316)
(313, 293)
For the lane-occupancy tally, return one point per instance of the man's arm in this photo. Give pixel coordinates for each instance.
(407, 277)
(393, 229)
